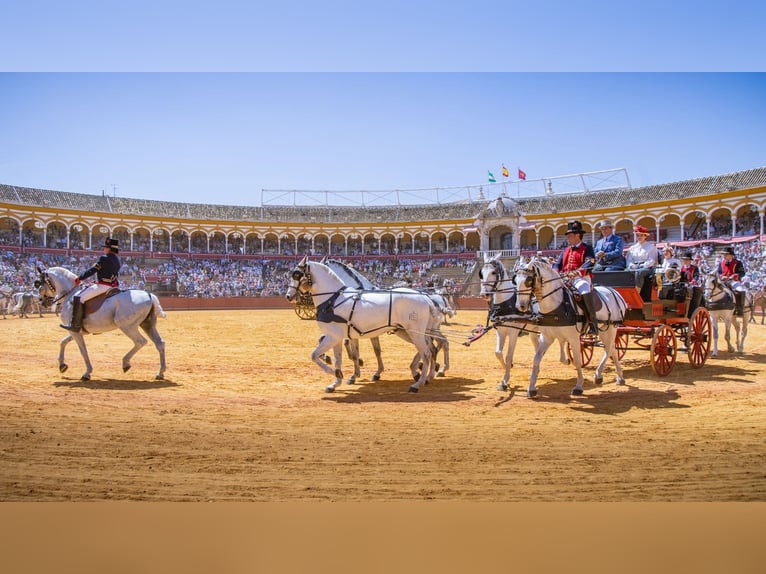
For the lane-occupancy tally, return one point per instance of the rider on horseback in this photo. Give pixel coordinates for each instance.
(732, 270)
(576, 261)
(106, 269)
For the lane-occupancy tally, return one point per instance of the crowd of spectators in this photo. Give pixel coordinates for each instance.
(225, 277)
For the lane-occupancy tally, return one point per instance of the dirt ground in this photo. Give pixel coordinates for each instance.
(242, 416)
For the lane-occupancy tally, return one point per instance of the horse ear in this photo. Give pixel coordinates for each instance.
(40, 271)
(304, 261)
(323, 261)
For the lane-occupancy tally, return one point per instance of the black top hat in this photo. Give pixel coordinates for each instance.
(574, 227)
(687, 255)
(112, 244)
(729, 250)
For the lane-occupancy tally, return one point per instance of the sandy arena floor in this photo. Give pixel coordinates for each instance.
(242, 416)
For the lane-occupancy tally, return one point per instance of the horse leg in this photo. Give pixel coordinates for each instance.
(423, 345)
(80, 340)
(543, 344)
(375, 342)
(337, 352)
(150, 328)
(727, 334)
(62, 346)
(714, 352)
(443, 346)
(505, 334)
(138, 343)
(742, 333)
(325, 344)
(352, 350)
(574, 343)
(610, 351)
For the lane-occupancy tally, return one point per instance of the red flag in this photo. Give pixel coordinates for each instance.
(505, 172)
(522, 175)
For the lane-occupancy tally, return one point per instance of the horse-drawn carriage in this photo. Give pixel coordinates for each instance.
(666, 318)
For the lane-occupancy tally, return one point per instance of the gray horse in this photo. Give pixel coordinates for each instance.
(126, 310)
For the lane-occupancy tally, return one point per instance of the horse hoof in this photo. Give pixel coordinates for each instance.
(159, 377)
(598, 380)
(502, 387)
(577, 392)
(440, 374)
(375, 377)
(85, 377)
(532, 394)
(126, 368)
(413, 389)
(620, 381)
(329, 389)
(63, 368)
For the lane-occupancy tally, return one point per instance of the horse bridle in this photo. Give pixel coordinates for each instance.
(48, 300)
(499, 276)
(302, 275)
(529, 283)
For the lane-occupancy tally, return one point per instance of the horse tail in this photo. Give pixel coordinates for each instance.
(157, 306)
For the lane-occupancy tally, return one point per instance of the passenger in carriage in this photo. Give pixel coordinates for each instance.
(576, 261)
(642, 257)
(690, 277)
(609, 249)
(690, 273)
(732, 270)
(669, 259)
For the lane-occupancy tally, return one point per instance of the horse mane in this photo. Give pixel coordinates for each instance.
(353, 275)
(61, 272)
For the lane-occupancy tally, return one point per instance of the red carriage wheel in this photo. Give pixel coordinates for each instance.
(621, 341)
(663, 350)
(699, 336)
(586, 350)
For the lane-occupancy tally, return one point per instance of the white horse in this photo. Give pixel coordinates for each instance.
(560, 318)
(6, 299)
(719, 301)
(497, 284)
(26, 302)
(354, 279)
(127, 311)
(347, 313)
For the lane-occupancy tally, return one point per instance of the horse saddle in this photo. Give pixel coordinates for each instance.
(93, 305)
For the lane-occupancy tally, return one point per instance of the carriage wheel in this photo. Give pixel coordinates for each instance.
(304, 308)
(586, 351)
(621, 341)
(663, 350)
(699, 337)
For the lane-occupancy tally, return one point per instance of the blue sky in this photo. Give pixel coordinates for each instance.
(212, 102)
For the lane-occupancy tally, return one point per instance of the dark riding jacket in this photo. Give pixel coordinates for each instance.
(106, 269)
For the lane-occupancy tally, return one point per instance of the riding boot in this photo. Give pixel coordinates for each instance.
(589, 305)
(739, 303)
(78, 310)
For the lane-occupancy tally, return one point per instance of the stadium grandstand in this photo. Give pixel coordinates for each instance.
(427, 234)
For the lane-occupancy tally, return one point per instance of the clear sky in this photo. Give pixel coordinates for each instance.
(212, 102)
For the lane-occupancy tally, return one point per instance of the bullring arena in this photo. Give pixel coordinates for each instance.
(241, 414)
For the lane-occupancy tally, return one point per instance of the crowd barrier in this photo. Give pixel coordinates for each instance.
(203, 303)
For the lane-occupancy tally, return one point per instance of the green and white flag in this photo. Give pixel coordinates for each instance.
(491, 177)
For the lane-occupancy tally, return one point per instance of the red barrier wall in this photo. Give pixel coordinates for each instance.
(194, 303)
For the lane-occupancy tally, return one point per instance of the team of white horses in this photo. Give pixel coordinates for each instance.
(349, 308)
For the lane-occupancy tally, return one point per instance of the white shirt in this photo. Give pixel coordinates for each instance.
(642, 255)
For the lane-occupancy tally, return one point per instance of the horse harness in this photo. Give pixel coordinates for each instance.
(326, 310)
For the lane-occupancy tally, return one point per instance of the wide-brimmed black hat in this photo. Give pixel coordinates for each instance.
(574, 227)
(687, 255)
(112, 244)
(729, 250)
